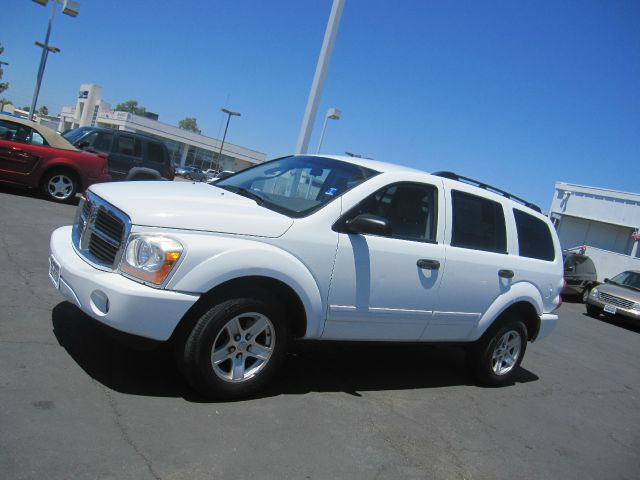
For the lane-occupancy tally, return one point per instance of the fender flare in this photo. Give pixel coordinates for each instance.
(518, 292)
(262, 260)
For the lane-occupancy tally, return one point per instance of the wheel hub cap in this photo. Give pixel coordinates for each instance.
(506, 353)
(243, 347)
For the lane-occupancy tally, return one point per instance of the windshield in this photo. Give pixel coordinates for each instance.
(296, 186)
(76, 134)
(627, 279)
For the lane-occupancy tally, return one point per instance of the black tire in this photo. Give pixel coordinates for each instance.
(59, 186)
(480, 357)
(593, 311)
(212, 333)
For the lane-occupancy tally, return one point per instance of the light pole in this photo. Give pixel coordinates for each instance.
(333, 114)
(69, 7)
(2, 100)
(231, 114)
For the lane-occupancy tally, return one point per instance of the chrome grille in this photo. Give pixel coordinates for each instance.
(613, 300)
(100, 232)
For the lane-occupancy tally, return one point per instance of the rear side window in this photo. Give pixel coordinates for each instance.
(534, 238)
(478, 223)
(129, 146)
(155, 152)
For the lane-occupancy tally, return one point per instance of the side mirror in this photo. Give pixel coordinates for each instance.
(367, 223)
(82, 144)
(606, 280)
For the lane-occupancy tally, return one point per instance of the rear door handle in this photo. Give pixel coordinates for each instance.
(428, 264)
(506, 273)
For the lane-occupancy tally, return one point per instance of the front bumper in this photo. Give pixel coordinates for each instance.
(114, 300)
(623, 312)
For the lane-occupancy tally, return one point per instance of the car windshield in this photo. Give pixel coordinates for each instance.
(627, 279)
(296, 186)
(75, 134)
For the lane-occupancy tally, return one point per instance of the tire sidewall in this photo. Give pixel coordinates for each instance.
(484, 354)
(200, 343)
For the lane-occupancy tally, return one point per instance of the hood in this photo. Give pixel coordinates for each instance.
(192, 206)
(621, 292)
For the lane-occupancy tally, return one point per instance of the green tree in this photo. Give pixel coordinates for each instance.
(131, 106)
(26, 108)
(190, 124)
(43, 110)
(3, 85)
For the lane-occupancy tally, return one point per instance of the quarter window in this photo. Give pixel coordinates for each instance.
(534, 238)
(155, 152)
(478, 223)
(129, 146)
(410, 208)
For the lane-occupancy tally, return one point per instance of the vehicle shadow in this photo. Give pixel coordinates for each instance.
(309, 367)
(617, 322)
(32, 193)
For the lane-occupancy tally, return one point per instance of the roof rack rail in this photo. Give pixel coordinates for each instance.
(476, 183)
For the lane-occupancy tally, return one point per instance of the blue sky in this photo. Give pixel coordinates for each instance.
(519, 94)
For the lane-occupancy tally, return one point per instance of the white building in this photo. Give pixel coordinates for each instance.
(186, 148)
(604, 223)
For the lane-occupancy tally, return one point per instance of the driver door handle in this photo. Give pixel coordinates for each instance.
(506, 273)
(428, 264)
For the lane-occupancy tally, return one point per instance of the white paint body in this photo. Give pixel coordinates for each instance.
(352, 287)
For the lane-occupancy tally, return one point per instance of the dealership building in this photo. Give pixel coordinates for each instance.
(186, 148)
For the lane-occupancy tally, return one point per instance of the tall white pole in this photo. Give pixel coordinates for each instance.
(319, 77)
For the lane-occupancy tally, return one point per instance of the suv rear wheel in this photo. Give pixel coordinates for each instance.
(235, 348)
(494, 359)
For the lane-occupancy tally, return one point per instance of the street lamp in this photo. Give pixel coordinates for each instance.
(2, 99)
(230, 113)
(69, 7)
(333, 114)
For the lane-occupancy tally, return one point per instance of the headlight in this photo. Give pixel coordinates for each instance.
(594, 292)
(150, 258)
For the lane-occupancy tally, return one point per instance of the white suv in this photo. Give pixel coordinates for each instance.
(312, 247)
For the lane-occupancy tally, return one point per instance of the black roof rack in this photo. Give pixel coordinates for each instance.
(476, 183)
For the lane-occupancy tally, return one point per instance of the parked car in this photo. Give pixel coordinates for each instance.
(579, 274)
(315, 248)
(196, 174)
(619, 296)
(125, 150)
(180, 170)
(34, 156)
(220, 175)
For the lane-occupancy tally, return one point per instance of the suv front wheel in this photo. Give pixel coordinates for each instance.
(235, 348)
(494, 359)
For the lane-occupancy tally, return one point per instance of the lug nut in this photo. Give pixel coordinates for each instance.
(232, 349)
(247, 336)
(236, 338)
(239, 356)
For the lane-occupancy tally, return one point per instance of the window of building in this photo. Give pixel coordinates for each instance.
(478, 223)
(410, 208)
(534, 238)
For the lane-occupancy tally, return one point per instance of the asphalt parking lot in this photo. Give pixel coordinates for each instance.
(76, 404)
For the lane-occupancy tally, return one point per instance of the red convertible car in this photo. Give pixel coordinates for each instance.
(35, 156)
